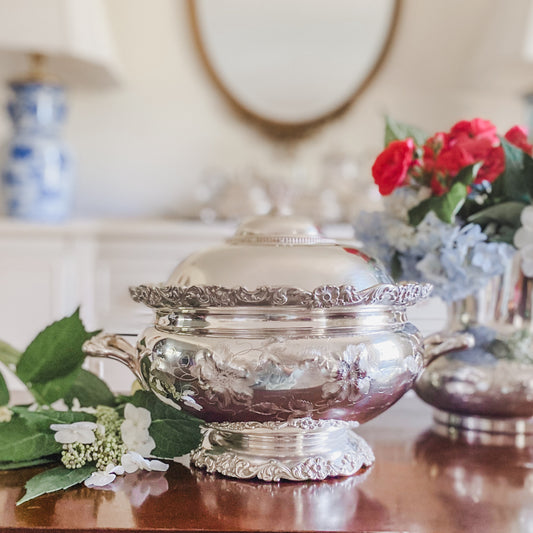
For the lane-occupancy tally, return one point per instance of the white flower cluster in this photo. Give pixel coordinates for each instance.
(523, 240)
(136, 439)
(134, 430)
(131, 462)
(77, 432)
(457, 260)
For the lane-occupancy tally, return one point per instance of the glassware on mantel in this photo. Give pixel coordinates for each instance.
(488, 388)
(329, 193)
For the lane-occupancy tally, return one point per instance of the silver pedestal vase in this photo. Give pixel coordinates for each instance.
(487, 391)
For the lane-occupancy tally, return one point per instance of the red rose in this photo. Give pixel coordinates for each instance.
(493, 165)
(517, 135)
(453, 158)
(392, 165)
(476, 128)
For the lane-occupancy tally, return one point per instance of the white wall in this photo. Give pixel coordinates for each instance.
(141, 147)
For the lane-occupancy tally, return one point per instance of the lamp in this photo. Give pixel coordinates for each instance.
(67, 37)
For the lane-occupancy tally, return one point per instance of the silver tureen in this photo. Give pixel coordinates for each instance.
(282, 341)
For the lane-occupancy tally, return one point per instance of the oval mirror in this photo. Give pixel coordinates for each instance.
(293, 64)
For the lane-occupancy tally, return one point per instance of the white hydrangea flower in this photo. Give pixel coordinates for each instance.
(523, 240)
(136, 417)
(5, 414)
(158, 466)
(134, 430)
(59, 405)
(76, 407)
(133, 461)
(104, 477)
(77, 432)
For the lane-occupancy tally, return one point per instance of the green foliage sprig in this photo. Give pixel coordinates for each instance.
(51, 369)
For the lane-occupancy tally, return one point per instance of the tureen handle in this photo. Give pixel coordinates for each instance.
(441, 343)
(114, 347)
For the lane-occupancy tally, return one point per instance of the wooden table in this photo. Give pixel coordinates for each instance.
(421, 482)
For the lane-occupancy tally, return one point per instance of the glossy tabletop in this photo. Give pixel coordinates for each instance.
(421, 482)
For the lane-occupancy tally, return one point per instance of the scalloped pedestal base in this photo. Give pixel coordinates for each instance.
(297, 450)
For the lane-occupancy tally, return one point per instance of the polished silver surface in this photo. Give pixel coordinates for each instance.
(491, 389)
(441, 343)
(279, 251)
(490, 386)
(351, 373)
(275, 325)
(298, 450)
(482, 430)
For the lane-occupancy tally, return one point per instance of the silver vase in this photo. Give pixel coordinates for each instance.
(487, 390)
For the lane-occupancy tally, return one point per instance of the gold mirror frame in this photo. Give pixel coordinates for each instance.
(288, 130)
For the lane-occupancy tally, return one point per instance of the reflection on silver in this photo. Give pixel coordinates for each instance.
(298, 450)
(264, 331)
(479, 430)
(326, 506)
(493, 474)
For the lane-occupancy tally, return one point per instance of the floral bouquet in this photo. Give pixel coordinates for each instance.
(453, 204)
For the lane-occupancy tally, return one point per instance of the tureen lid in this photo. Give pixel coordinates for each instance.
(278, 260)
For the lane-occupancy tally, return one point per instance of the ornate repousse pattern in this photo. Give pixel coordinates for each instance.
(355, 455)
(353, 375)
(222, 382)
(303, 424)
(325, 296)
(313, 468)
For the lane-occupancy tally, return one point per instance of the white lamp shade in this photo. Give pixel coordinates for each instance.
(74, 34)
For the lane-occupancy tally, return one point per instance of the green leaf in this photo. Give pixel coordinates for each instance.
(174, 437)
(10, 465)
(53, 389)
(528, 173)
(445, 206)
(397, 131)
(4, 392)
(9, 355)
(59, 478)
(515, 183)
(157, 408)
(174, 432)
(55, 352)
(503, 234)
(507, 213)
(42, 419)
(448, 205)
(21, 440)
(90, 391)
